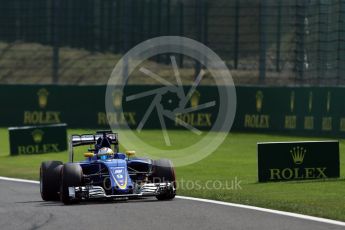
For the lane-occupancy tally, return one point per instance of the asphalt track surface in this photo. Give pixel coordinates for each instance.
(21, 207)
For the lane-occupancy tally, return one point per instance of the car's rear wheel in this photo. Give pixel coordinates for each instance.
(50, 180)
(71, 176)
(163, 171)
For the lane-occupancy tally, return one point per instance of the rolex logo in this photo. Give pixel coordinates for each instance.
(117, 99)
(298, 154)
(42, 97)
(194, 101)
(292, 101)
(37, 135)
(310, 102)
(259, 100)
(328, 104)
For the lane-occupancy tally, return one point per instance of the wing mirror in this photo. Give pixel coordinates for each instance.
(89, 154)
(130, 153)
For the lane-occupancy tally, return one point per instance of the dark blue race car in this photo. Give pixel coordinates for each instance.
(105, 173)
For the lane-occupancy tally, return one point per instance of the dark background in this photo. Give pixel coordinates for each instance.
(262, 41)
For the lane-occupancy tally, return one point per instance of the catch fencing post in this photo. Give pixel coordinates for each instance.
(262, 29)
(55, 38)
(158, 21)
(200, 30)
(279, 19)
(181, 32)
(236, 37)
(167, 58)
(300, 38)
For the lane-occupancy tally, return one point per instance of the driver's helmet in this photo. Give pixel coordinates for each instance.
(105, 153)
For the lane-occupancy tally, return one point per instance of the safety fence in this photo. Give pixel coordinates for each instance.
(265, 41)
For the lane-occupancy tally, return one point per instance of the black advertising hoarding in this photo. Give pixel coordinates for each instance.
(289, 110)
(24, 105)
(84, 107)
(283, 161)
(38, 139)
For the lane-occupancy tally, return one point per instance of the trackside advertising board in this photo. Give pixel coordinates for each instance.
(38, 139)
(290, 110)
(284, 161)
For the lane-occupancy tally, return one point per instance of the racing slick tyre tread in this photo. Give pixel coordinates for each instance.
(163, 171)
(71, 176)
(49, 180)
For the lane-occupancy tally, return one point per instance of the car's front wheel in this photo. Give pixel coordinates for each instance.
(71, 176)
(163, 171)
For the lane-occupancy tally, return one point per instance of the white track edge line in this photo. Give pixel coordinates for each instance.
(283, 213)
(19, 180)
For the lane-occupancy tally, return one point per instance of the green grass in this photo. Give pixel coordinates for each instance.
(235, 158)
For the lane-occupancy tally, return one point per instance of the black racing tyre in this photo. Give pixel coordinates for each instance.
(71, 176)
(50, 180)
(163, 171)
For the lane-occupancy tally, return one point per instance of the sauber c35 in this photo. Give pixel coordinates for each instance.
(106, 173)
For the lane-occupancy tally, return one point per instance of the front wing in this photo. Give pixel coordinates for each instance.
(97, 192)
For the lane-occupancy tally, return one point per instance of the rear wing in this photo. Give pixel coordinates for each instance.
(88, 139)
(91, 139)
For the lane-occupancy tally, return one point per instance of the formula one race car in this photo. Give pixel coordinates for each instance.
(106, 173)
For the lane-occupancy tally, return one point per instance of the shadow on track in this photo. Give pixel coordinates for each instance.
(92, 202)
